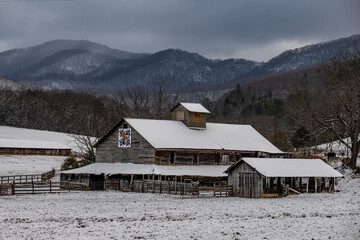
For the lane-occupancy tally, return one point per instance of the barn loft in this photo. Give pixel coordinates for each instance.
(262, 177)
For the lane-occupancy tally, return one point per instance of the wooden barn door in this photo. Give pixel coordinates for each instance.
(250, 185)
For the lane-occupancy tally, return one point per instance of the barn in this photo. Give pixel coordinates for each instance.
(270, 177)
(24, 141)
(188, 139)
(31, 147)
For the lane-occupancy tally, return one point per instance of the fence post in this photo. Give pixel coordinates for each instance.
(142, 183)
(175, 185)
(120, 182)
(32, 184)
(169, 185)
(153, 184)
(50, 185)
(160, 191)
(13, 188)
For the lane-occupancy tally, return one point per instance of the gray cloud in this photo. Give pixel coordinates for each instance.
(250, 29)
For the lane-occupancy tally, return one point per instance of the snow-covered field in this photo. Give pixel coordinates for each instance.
(28, 164)
(118, 215)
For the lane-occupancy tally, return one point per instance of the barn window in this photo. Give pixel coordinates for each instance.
(172, 157)
(225, 159)
(180, 115)
(196, 159)
(197, 117)
(217, 158)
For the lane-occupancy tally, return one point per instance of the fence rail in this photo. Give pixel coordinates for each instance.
(29, 178)
(47, 187)
(187, 188)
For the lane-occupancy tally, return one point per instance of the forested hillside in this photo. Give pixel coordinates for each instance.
(272, 103)
(84, 65)
(300, 108)
(80, 113)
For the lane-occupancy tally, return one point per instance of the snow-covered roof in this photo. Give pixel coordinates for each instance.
(31, 137)
(23, 143)
(336, 146)
(194, 107)
(289, 167)
(170, 134)
(131, 168)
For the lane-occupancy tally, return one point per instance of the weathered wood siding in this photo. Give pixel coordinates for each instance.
(180, 109)
(193, 156)
(195, 124)
(139, 152)
(246, 181)
(35, 151)
(186, 157)
(189, 117)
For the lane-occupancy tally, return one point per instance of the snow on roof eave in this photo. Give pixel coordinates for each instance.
(100, 140)
(291, 167)
(148, 169)
(271, 167)
(193, 107)
(244, 151)
(30, 144)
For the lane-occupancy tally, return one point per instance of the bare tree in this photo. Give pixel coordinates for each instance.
(138, 99)
(86, 146)
(339, 111)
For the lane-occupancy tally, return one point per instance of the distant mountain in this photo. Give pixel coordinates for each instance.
(309, 55)
(181, 70)
(68, 64)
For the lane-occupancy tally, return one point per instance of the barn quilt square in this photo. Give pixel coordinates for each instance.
(125, 137)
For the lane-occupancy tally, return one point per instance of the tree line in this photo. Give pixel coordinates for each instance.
(79, 112)
(301, 108)
(295, 109)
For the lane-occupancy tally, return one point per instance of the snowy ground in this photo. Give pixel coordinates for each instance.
(117, 215)
(28, 164)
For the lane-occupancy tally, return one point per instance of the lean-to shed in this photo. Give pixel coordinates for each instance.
(258, 177)
(97, 175)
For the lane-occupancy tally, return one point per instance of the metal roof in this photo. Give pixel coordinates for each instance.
(289, 167)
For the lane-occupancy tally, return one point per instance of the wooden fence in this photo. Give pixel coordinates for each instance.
(29, 178)
(47, 187)
(6, 189)
(186, 188)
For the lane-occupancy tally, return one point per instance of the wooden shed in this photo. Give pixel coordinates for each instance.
(269, 177)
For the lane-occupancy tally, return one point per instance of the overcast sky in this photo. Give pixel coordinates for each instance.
(251, 29)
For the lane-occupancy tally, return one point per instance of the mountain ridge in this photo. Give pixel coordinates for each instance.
(81, 64)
